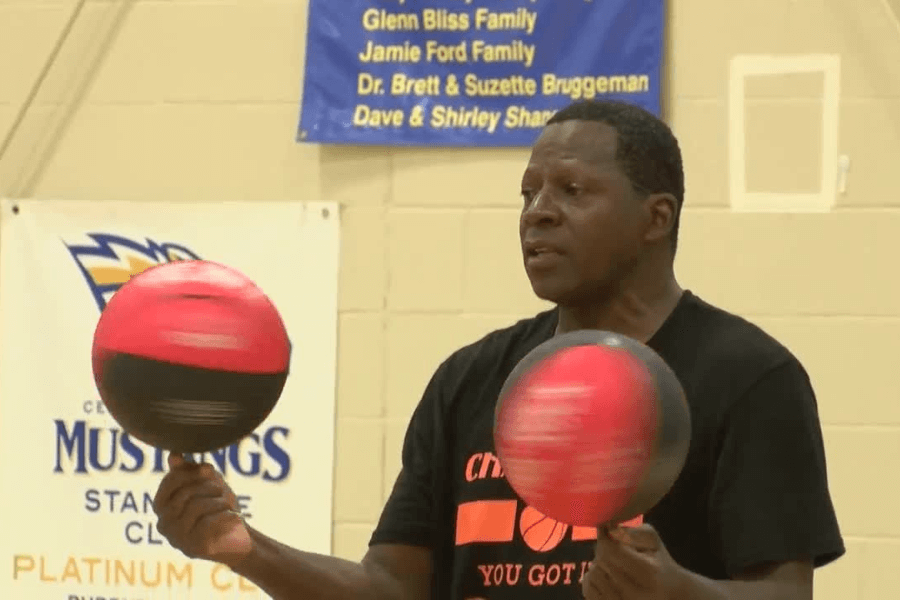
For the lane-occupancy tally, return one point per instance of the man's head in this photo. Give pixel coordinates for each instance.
(602, 195)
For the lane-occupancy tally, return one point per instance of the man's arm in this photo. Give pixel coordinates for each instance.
(399, 563)
(772, 519)
(632, 563)
(388, 572)
(197, 510)
(784, 581)
(770, 496)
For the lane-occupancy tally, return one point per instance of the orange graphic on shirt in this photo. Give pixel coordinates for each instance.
(540, 532)
(494, 521)
(486, 521)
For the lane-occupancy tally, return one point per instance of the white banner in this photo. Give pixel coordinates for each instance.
(76, 518)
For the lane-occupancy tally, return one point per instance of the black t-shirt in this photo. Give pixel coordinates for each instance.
(753, 489)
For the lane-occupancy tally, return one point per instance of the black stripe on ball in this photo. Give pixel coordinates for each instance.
(186, 409)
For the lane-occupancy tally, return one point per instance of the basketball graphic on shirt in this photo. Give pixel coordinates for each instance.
(540, 532)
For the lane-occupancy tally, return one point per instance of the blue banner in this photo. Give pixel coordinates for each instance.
(471, 72)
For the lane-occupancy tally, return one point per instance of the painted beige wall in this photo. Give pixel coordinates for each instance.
(198, 100)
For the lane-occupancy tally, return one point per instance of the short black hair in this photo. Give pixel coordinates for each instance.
(646, 148)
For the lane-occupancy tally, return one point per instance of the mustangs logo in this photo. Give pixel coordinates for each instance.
(111, 260)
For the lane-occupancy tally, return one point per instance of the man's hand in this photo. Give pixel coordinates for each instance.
(632, 563)
(199, 514)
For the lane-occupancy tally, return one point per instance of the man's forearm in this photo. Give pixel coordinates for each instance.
(697, 587)
(288, 574)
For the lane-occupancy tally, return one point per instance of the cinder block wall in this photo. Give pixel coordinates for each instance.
(198, 100)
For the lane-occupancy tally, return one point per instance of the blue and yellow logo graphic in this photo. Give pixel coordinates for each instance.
(111, 260)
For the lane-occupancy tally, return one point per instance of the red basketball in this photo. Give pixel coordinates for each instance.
(592, 428)
(190, 356)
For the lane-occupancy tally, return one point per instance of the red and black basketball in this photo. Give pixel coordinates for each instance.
(592, 428)
(190, 356)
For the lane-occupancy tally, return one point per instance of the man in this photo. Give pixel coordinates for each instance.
(750, 515)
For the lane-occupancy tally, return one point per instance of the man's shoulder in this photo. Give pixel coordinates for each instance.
(732, 348)
(735, 334)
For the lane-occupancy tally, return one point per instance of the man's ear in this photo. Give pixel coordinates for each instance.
(661, 212)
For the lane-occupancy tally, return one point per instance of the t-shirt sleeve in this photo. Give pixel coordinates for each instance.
(770, 498)
(409, 516)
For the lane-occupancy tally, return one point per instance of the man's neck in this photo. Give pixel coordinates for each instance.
(637, 313)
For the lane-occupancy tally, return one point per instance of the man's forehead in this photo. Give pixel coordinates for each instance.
(591, 142)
